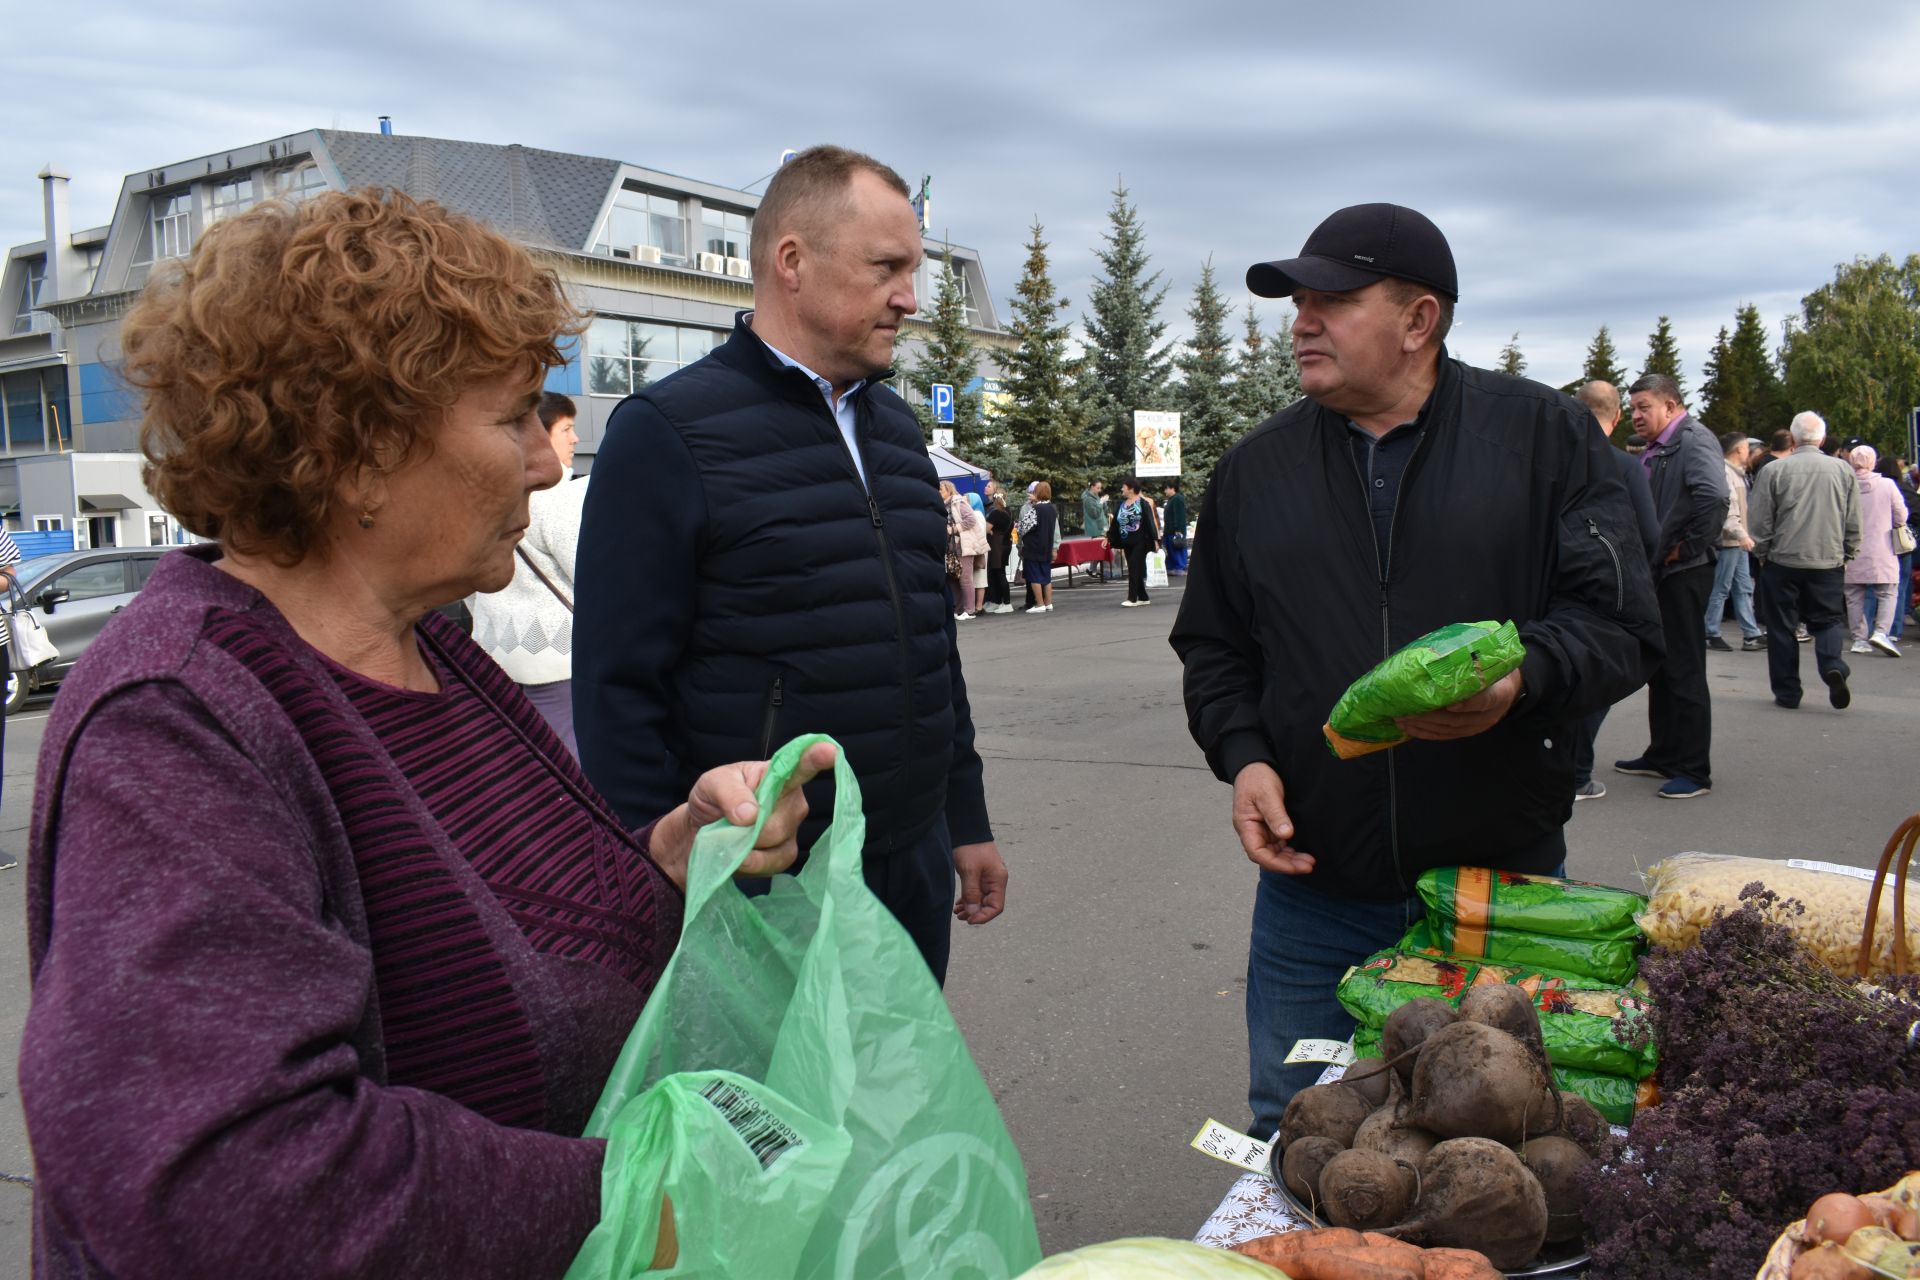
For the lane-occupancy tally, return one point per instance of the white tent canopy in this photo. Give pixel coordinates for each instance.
(965, 475)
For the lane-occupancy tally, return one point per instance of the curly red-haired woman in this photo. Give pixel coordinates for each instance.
(332, 943)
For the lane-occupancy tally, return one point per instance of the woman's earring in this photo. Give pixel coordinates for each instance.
(366, 519)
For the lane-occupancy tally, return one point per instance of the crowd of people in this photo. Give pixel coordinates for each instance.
(414, 887)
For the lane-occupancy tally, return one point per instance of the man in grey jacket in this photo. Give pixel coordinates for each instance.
(1804, 517)
(1690, 496)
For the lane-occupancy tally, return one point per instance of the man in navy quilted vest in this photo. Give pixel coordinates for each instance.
(763, 555)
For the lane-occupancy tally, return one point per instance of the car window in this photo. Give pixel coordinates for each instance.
(139, 569)
(91, 581)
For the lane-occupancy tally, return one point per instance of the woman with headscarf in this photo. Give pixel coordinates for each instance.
(333, 946)
(1877, 566)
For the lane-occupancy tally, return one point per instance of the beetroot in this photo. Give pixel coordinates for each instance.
(1300, 1169)
(1323, 1111)
(1408, 1027)
(1365, 1190)
(1380, 1132)
(1369, 1079)
(1474, 1081)
(1582, 1121)
(1476, 1194)
(1558, 1164)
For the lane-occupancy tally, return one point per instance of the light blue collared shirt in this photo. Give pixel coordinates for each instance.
(842, 409)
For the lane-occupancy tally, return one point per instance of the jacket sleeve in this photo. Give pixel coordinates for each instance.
(1760, 513)
(1900, 511)
(967, 821)
(1695, 523)
(1851, 517)
(1213, 634)
(188, 1067)
(1599, 633)
(1736, 524)
(1646, 519)
(635, 578)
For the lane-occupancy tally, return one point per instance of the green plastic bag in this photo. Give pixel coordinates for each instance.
(1435, 671)
(1614, 1097)
(1583, 1021)
(798, 1090)
(1534, 904)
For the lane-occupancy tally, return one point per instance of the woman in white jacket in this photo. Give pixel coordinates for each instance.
(528, 627)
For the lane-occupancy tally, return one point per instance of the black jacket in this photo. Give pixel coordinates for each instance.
(1509, 508)
(1688, 477)
(737, 586)
(1146, 534)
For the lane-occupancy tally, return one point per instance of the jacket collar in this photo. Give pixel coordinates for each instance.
(748, 352)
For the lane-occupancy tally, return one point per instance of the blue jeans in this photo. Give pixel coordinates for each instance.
(1730, 577)
(1304, 941)
(1177, 560)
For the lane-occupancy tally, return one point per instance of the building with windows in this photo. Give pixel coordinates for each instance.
(661, 262)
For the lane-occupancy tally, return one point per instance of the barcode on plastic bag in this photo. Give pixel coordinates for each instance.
(765, 1134)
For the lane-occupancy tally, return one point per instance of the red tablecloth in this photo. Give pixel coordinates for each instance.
(1075, 551)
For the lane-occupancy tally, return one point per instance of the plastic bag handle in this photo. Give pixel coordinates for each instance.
(1904, 837)
(719, 848)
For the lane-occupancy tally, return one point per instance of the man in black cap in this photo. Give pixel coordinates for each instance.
(1406, 492)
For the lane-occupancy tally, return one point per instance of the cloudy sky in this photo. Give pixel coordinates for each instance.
(1589, 163)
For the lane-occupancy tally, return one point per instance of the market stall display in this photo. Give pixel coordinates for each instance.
(1874, 1235)
(1519, 919)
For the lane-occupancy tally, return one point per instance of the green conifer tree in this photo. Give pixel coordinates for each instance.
(949, 356)
(1512, 363)
(1663, 355)
(1266, 379)
(1602, 364)
(1046, 421)
(1208, 420)
(1124, 370)
(1720, 399)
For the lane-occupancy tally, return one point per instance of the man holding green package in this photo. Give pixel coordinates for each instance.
(1406, 493)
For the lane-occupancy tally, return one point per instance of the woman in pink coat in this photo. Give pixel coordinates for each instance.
(1877, 568)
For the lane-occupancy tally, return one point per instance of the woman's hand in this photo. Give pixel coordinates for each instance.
(728, 792)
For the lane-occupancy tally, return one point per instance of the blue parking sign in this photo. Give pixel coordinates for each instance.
(942, 402)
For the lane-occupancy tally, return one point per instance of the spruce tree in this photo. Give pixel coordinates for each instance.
(949, 356)
(1208, 421)
(1512, 363)
(1663, 356)
(1266, 378)
(1719, 394)
(1756, 400)
(1124, 370)
(1046, 422)
(1603, 364)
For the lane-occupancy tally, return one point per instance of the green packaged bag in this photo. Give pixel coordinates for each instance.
(1615, 1097)
(1580, 1017)
(1478, 897)
(797, 1089)
(1435, 671)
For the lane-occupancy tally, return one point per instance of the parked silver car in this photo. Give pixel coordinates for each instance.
(73, 594)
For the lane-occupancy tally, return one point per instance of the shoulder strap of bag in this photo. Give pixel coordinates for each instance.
(557, 593)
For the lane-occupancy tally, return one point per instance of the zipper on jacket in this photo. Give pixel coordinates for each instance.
(776, 696)
(1619, 574)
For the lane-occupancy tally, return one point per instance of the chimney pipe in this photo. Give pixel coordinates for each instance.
(65, 265)
(386, 126)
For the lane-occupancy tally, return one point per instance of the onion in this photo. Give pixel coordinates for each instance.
(1836, 1216)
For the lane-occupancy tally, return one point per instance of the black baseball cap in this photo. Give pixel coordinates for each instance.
(1358, 245)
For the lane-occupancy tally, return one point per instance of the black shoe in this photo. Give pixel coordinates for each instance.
(1753, 644)
(1791, 704)
(1718, 645)
(1837, 689)
(1640, 768)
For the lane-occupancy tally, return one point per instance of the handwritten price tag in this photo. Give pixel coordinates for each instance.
(1338, 1052)
(1232, 1147)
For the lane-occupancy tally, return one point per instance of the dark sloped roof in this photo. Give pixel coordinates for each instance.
(538, 197)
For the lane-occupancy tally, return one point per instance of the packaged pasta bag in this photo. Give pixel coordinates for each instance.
(1530, 920)
(1585, 1023)
(1615, 1097)
(1435, 671)
(1685, 893)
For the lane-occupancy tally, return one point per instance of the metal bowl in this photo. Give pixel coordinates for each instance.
(1554, 1259)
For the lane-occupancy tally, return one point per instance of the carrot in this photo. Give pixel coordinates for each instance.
(1291, 1244)
(1355, 1264)
(1459, 1264)
(1377, 1241)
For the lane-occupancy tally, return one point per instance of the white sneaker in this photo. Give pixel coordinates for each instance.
(963, 617)
(1861, 646)
(1128, 604)
(1880, 641)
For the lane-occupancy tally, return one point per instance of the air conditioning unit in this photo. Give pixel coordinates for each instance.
(713, 262)
(738, 267)
(646, 253)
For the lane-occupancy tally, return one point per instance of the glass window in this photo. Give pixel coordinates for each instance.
(644, 218)
(49, 524)
(91, 581)
(230, 198)
(173, 225)
(23, 315)
(26, 424)
(141, 568)
(625, 355)
(96, 254)
(298, 184)
(725, 232)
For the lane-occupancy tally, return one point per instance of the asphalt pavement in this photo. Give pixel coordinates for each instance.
(1105, 1006)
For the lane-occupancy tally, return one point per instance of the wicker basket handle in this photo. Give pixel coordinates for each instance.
(1903, 839)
